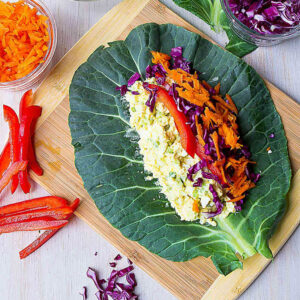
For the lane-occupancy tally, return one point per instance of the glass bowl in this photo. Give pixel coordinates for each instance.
(27, 81)
(253, 36)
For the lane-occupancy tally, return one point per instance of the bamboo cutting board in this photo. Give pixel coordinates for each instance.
(194, 279)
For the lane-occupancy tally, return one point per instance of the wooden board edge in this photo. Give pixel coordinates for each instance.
(54, 87)
(233, 285)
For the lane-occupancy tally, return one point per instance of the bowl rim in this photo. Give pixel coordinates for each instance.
(291, 33)
(34, 75)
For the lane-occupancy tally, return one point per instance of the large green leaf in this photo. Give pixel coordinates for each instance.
(211, 12)
(108, 159)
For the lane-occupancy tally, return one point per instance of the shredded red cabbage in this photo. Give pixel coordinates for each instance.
(217, 201)
(92, 274)
(179, 61)
(195, 169)
(267, 16)
(123, 89)
(210, 176)
(118, 257)
(198, 182)
(115, 290)
(133, 79)
(271, 136)
(113, 264)
(152, 97)
(83, 293)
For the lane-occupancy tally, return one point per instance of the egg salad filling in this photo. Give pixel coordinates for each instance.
(168, 162)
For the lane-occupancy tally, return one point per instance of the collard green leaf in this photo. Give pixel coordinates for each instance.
(108, 160)
(211, 12)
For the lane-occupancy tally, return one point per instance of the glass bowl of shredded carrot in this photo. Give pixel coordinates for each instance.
(28, 39)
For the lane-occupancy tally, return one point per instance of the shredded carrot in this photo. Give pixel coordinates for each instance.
(199, 132)
(214, 137)
(196, 206)
(236, 199)
(207, 85)
(24, 40)
(231, 104)
(269, 148)
(217, 88)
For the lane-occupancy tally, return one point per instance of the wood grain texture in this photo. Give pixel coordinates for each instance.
(58, 165)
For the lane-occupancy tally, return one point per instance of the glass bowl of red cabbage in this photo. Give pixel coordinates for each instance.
(264, 22)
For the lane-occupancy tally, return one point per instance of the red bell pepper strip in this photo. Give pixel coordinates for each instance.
(29, 115)
(54, 213)
(31, 225)
(28, 205)
(44, 237)
(14, 169)
(5, 159)
(11, 117)
(187, 138)
(33, 163)
(27, 101)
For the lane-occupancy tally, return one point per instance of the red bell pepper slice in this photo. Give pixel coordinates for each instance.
(33, 163)
(27, 101)
(28, 205)
(13, 122)
(5, 159)
(54, 213)
(31, 225)
(29, 115)
(14, 169)
(44, 237)
(187, 138)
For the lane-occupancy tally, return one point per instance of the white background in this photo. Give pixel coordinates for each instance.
(57, 270)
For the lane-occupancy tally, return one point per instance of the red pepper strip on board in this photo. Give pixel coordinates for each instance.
(187, 138)
(13, 122)
(27, 101)
(44, 237)
(54, 213)
(29, 115)
(5, 159)
(29, 205)
(31, 225)
(14, 169)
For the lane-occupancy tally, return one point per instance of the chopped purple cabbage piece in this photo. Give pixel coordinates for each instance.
(115, 290)
(118, 257)
(217, 201)
(83, 293)
(133, 79)
(123, 89)
(198, 182)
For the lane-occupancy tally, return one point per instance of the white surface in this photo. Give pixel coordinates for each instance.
(57, 270)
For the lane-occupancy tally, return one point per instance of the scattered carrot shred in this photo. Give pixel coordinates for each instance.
(236, 199)
(199, 132)
(228, 97)
(269, 148)
(196, 206)
(217, 88)
(24, 40)
(215, 138)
